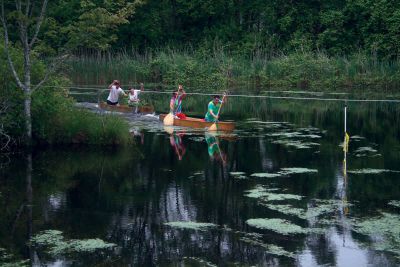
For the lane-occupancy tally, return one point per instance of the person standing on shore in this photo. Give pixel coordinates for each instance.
(115, 92)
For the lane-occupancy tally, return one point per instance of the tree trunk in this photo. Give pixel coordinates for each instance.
(28, 117)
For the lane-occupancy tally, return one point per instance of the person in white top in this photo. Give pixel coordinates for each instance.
(115, 92)
(134, 95)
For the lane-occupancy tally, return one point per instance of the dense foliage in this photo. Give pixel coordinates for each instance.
(338, 26)
(54, 118)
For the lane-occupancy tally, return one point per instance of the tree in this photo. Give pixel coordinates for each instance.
(95, 18)
(24, 15)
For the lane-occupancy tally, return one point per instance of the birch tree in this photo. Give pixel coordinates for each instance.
(29, 19)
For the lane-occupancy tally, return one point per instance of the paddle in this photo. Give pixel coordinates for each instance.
(214, 127)
(169, 119)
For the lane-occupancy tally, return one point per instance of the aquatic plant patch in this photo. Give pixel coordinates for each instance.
(395, 203)
(356, 137)
(371, 171)
(284, 172)
(366, 152)
(266, 175)
(197, 139)
(316, 209)
(385, 231)
(286, 209)
(269, 248)
(191, 225)
(238, 175)
(294, 135)
(262, 193)
(197, 261)
(54, 241)
(296, 144)
(8, 260)
(297, 170)
(280, 226)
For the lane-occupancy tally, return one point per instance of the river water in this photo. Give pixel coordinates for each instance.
(278, 191)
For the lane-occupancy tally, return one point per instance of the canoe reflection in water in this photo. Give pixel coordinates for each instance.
(214, 150)
(176, 142)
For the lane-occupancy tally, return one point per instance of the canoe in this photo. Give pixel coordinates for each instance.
(201, 124)
(126, 108)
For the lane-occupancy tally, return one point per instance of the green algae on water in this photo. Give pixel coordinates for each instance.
(190, 225)
(54, 241)
(276, 225)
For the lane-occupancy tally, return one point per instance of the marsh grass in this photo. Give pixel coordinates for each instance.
(203, 70)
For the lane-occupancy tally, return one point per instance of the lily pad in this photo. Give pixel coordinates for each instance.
(191, 225)
(276, 225)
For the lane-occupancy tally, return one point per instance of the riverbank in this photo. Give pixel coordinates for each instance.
(204, 71)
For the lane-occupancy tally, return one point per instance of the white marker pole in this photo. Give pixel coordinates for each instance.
(345, 119)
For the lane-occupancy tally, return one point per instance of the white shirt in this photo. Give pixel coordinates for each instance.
(135, 96)
(114, 94)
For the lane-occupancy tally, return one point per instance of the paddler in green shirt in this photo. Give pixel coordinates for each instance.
(212, 109)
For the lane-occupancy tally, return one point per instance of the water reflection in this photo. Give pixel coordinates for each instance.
(126, 195)
(176, 142)
(213, 148)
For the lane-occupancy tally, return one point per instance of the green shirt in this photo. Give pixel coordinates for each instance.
(212, 144)
(214, 108)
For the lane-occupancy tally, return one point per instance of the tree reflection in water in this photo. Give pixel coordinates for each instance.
(125, 196)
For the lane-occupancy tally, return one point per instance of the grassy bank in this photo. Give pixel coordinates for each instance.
(55, 120)
(205, 70)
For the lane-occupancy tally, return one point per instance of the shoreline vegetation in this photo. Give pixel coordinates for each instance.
(206, 70)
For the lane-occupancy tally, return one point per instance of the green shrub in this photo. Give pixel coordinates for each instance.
(56, 120)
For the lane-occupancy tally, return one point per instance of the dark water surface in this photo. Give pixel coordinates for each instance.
(284, 162)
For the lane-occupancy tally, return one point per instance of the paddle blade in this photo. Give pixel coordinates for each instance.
(213, 127)
(169, 119)
(169, 129)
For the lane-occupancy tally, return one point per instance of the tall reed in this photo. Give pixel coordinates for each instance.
(218, 68)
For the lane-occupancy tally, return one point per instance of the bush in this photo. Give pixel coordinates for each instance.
(57, 121)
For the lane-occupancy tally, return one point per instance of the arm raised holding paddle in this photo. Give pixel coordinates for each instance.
(175, 106)
(214, 109)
